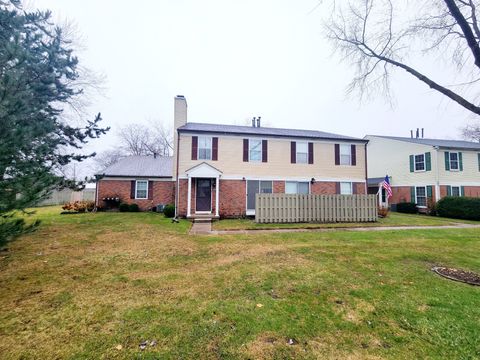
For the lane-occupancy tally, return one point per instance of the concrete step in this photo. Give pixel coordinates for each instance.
(202, 220)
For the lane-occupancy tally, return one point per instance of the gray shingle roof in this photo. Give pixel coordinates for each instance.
(142, 166)
(448, 144)
(263, 131)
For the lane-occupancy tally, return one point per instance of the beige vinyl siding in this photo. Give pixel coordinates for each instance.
(470, 173)
(388, 156)
(230, 160)
(392, 158)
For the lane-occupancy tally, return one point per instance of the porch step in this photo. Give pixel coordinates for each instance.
(202, 220)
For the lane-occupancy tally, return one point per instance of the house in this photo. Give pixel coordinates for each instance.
(216, 170)
(421, 169)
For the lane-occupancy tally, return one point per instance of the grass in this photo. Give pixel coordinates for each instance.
(393, 219)
(84, 284)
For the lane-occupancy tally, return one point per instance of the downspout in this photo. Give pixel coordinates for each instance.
(366, 169)
(178, 179)
(437, 180)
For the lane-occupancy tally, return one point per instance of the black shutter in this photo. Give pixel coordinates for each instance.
(293, 152)
(337, 154)
(264, 151)
(215, 148)
(310, 153)
(150, 190)
(132, 189)
(245, 150)
(354, 187)
(194, 147)
(354, 155)
(337, 188)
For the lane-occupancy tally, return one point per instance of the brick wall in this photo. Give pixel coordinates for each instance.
(162, 193)
(233, 197)
(279, 187)
(470, 191)
(323, 188)
(400, 194)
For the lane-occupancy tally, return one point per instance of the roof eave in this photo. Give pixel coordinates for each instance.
(363, 141)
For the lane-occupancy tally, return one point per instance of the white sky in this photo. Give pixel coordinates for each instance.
(234, 60)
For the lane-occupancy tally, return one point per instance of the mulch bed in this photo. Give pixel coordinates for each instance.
(464, 276)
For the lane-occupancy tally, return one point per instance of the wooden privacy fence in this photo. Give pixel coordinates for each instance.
(294, 208)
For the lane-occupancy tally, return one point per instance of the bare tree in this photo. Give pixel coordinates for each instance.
(107, 158)
(377, 36)
(471, 132)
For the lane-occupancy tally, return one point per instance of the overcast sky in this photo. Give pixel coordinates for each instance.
(234, 60)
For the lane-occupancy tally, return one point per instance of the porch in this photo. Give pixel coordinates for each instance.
(203, 192)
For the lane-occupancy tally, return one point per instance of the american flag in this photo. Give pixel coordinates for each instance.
(387, 187)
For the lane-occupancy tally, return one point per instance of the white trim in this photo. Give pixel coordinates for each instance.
(450, 161)
(198, 147)
(459, 187)
(261, 150)
(130, 178)
(340, 154)
(282, 178)
(196, 195)
(136, 190)
(297, 182)
(189, 197)
(452, 183)
(346, 182)
(296, 152)
(424, 163)
(217, 196)
(426, 196)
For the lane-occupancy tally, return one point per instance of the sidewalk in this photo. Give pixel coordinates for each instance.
(373, 228)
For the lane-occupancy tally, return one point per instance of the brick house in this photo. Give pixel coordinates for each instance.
(216, 170)
(421, 169)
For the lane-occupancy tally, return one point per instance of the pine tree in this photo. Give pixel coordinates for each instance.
(39, 79)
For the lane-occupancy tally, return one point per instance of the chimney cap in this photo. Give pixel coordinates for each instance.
(180, 96)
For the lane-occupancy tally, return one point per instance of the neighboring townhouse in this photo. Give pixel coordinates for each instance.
(216, 170)
(421, 169)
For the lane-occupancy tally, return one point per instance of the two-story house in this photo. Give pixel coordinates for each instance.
(422, 169)
(218, 169)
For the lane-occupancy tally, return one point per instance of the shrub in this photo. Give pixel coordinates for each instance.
(79, 206)
(124, 207)
(459, 208)
(169, 211)
(133, 208)
(407, 208)
(382, 212)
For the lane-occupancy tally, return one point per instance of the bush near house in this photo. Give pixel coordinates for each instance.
(459, 208)
(133, 208)
(169, 211)
(79, 206)
(407, 207)
(124, 207)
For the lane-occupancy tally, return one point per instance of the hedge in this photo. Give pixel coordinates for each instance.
(459, 208)
(407, 208)
(169, 211)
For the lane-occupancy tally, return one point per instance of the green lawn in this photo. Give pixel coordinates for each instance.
(393, 219)
(84, 284)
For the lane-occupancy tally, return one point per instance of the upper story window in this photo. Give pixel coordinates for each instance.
(204, 148)
(454, 163)
(297, 187)
(420, 162)
(345, 154)
(346, 188)
(141, 189)
(255, 150)
(302, 152)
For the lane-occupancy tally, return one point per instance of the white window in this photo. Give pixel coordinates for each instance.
(297, 187)
(346, 188)
(456, 191)
(454, 161)
(141, 189)
(204, 148)
(255, 150)
(345, 154)
(302, 152)
(421, 196)
(420, 162)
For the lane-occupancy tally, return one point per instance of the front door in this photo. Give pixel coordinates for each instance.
(204, 195)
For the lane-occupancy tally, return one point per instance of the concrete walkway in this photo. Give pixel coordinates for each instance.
(201, 228)
(372, 228)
